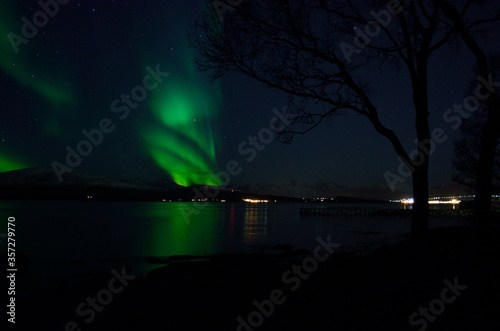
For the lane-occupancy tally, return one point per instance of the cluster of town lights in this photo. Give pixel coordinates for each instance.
(446, 200)
(255, 200)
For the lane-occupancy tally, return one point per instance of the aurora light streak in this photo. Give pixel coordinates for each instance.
(60, 97)
(182, 142)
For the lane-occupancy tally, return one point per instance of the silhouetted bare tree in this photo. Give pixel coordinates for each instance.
(316, 50)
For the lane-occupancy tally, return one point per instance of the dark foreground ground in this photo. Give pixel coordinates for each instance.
(451, 281)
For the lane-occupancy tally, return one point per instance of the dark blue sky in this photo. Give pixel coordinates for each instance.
(65, 78)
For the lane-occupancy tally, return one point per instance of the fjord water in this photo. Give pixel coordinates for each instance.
(84, 237)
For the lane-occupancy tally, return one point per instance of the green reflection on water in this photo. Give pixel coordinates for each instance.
(169, 233)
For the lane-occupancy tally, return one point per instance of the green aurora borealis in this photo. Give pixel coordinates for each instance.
(183, 142)
(59, 100)
(183, 139)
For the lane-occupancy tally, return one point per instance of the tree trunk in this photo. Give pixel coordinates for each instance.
(419, 217)
(486, 162)
(420, 173)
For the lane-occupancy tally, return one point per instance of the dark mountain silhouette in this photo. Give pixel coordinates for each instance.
(38, 183)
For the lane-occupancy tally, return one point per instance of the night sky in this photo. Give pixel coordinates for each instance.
(66, 78)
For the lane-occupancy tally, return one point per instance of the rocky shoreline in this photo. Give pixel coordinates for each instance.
(298, 290)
